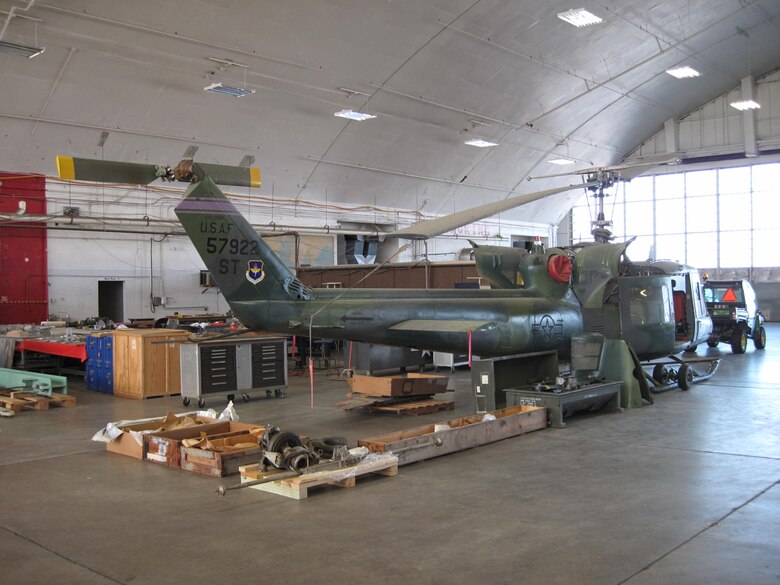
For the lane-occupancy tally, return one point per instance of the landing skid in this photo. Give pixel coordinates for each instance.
(678, 373)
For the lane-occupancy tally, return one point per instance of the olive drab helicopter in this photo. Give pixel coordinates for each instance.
(539, 299)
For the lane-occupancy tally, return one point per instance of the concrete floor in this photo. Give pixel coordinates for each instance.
(684, 491)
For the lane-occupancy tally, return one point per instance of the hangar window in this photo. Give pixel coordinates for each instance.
(711, 219)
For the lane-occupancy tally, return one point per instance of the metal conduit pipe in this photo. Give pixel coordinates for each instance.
(20, 221)
(12, 14)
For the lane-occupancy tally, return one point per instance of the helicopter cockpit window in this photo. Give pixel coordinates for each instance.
(649, 305)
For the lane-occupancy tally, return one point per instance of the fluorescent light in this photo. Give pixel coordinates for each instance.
(561, 161)
(480, 143)
(228, 90)
(579, 17)
(744, 105)
(20, 50)
(683, 72)
(353, 115)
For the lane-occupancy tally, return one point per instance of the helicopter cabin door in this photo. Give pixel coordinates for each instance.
(647, 314)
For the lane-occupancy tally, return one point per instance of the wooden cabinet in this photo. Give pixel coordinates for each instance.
(146, 362)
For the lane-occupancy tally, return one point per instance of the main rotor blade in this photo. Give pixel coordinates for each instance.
(625, 171)
(229, 175)
(105, 171)
(430, 228)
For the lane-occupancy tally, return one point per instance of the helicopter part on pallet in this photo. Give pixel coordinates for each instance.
(285, 450)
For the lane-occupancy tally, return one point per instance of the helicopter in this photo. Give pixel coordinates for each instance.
(539, 299)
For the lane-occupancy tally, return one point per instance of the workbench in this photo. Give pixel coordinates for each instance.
(236, 364)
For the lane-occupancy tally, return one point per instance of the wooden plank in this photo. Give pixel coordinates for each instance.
(36, 401)
(463, 433)
(12, 404)
(297, 488)
(415, 408)
(65, 400)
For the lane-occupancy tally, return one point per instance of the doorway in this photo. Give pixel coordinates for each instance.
(111, 300)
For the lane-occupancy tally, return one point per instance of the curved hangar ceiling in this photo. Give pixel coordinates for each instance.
(435, 74)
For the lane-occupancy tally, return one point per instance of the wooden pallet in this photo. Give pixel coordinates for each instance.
(297, 488)
(413, 405)
(18, 401)
(414, 408)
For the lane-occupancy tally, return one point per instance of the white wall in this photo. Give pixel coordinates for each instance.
(169, 266)
(78, 261)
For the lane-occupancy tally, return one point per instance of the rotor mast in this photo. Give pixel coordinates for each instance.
(601, 227)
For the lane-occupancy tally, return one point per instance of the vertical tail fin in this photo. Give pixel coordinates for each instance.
(243, 265)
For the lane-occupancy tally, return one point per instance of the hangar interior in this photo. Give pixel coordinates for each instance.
(357, 120)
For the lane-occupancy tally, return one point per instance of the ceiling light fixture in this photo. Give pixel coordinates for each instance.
(561, 161)
(353, 115)
(228, 90)
(478, 142)
(744, 105)
(683, 72)
(224, 65)
(579, 17)
(20, 50)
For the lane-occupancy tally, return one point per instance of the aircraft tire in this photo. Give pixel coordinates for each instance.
(759, 338)
(692, 349)
(685, 377)
(712, 342)
(661, 374)
(739, 340)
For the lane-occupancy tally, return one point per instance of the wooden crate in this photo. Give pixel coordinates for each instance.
(146, 362)
(225, 462)
(126, 443)
(409, 385)
(165, 447)
(426, 442)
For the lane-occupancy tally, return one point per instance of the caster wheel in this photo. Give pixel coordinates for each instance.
(685, 377)
(245, 397)
(201, 402)
(661, 373)
(185, 401)
(268, 394)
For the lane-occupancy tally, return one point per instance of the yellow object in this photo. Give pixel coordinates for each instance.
(254, 177)
(65, 167)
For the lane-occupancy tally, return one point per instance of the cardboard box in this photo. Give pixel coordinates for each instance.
(165, 447)
(409, 385)
(222, 456)
(126, 443)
